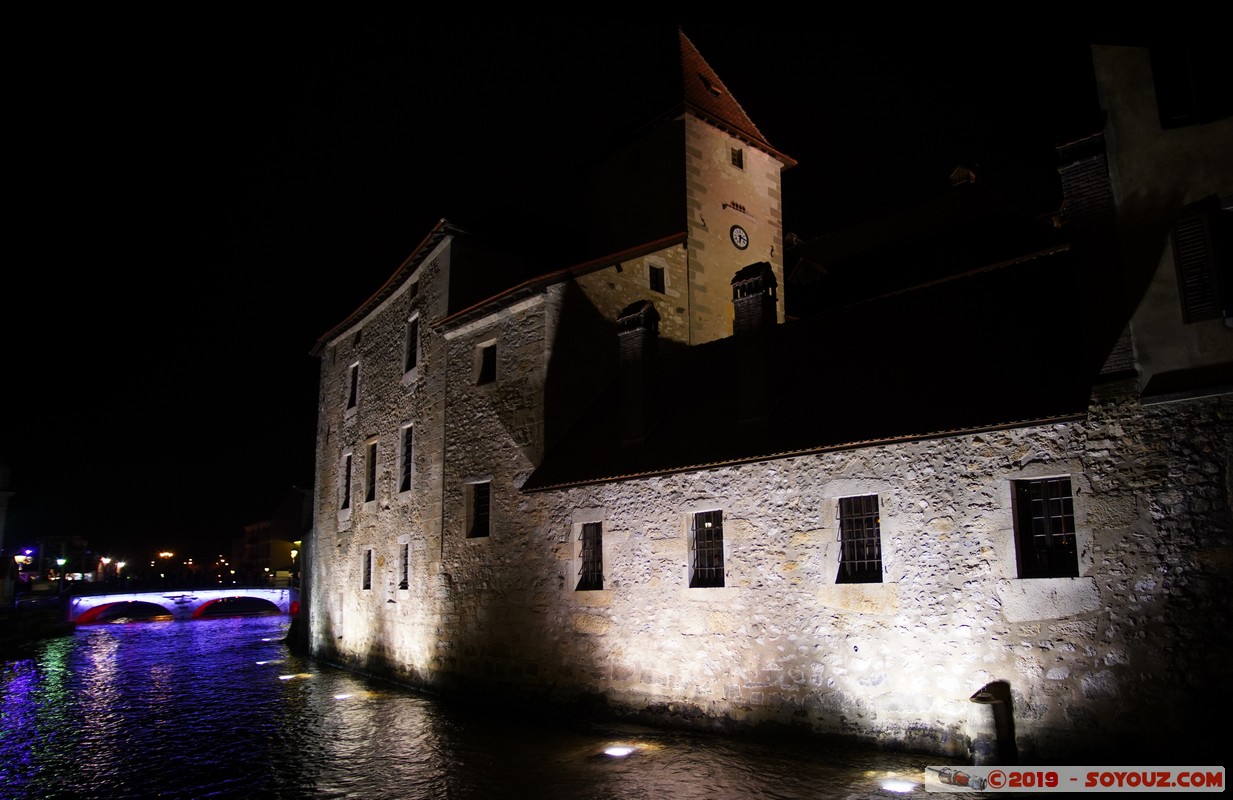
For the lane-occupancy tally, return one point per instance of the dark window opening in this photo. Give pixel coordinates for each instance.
(1203, 254)
(657, 279)
(1045, 529)
(707, 550)
(404, 479)
(413, 345)
(738, 158)
(370, 465)
(488, 364)
(480, 499)
(346, 488)
(353, 392)
(1192, 84)
(367, 584)
(860, 540)
(591, 556)
(404, 567)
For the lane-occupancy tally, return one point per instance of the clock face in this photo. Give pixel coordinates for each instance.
(739, 237)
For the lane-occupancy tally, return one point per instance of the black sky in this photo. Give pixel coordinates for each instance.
(197, 207)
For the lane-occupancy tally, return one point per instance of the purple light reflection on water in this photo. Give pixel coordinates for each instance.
(196, 709)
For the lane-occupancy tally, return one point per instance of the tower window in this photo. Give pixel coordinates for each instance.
(738, 158)
(404, 566)
(366, 582)
(412, 358)
(345, 503)
(657, 279)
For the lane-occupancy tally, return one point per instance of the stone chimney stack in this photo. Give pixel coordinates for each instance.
(638, 331)
(1087, 193)
(753, 325)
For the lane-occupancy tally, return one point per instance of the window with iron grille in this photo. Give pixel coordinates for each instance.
(707, 550)
(657, 279)
(488, 364)
(480, 499)
(367, 583)
(404, 476)
(404, 566)
(413, 345)
(370, 473)
(346, 482)
(353, 392)
(1045, 529)
(860, 540)
(591, 557)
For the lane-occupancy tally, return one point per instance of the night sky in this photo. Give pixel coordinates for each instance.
(196, 208)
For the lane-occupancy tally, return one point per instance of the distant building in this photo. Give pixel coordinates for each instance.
(987, 458)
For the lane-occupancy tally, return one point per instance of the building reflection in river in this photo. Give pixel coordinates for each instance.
(194, 709)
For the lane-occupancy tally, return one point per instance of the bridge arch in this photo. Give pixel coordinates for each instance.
(181, 605)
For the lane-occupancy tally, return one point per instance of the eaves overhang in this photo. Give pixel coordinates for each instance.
(439, 232)
(540, 283)
(531, 488)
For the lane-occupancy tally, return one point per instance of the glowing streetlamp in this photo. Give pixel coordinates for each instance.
(60, 562)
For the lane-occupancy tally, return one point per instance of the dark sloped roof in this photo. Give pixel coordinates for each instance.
(705, 94)
(983, 351)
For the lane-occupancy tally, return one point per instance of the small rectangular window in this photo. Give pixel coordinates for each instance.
(488, 364)
(657, 279)
(404, 566)
(707, 550)
(860, 540)
(346, 482)
(370, 475)
(738, 158)
(479, 523)
(353, 390)
(412, 358)
(367, 580)
(1045, 529)
(408, 462)
(591, 557)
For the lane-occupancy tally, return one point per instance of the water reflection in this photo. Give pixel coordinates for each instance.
(219, 708)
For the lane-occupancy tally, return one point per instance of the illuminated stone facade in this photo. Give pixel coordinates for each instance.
(459, 569)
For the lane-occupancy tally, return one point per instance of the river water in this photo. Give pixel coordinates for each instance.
(219, 708)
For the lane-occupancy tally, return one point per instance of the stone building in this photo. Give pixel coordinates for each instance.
(979, 503)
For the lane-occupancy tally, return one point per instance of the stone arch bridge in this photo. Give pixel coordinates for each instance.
(181, 604)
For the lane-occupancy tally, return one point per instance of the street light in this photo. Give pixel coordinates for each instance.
(60, 562)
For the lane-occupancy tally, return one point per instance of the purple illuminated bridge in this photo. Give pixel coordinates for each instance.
(181, 603)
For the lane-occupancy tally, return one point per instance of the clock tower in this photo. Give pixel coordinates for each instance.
(694, 199)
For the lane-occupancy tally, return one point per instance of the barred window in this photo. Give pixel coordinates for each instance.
(367, 584)
(370, 473)
(346, 482)
(860, 540)
(404, 566)
(404, 477)
(479, 524)
(707, 550)
(591, 557)
(1045, 529)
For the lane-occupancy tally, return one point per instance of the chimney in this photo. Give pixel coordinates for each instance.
(1087, 194)
(638, 331)
(753, 327)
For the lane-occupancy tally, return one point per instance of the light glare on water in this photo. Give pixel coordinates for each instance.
(220, 709)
